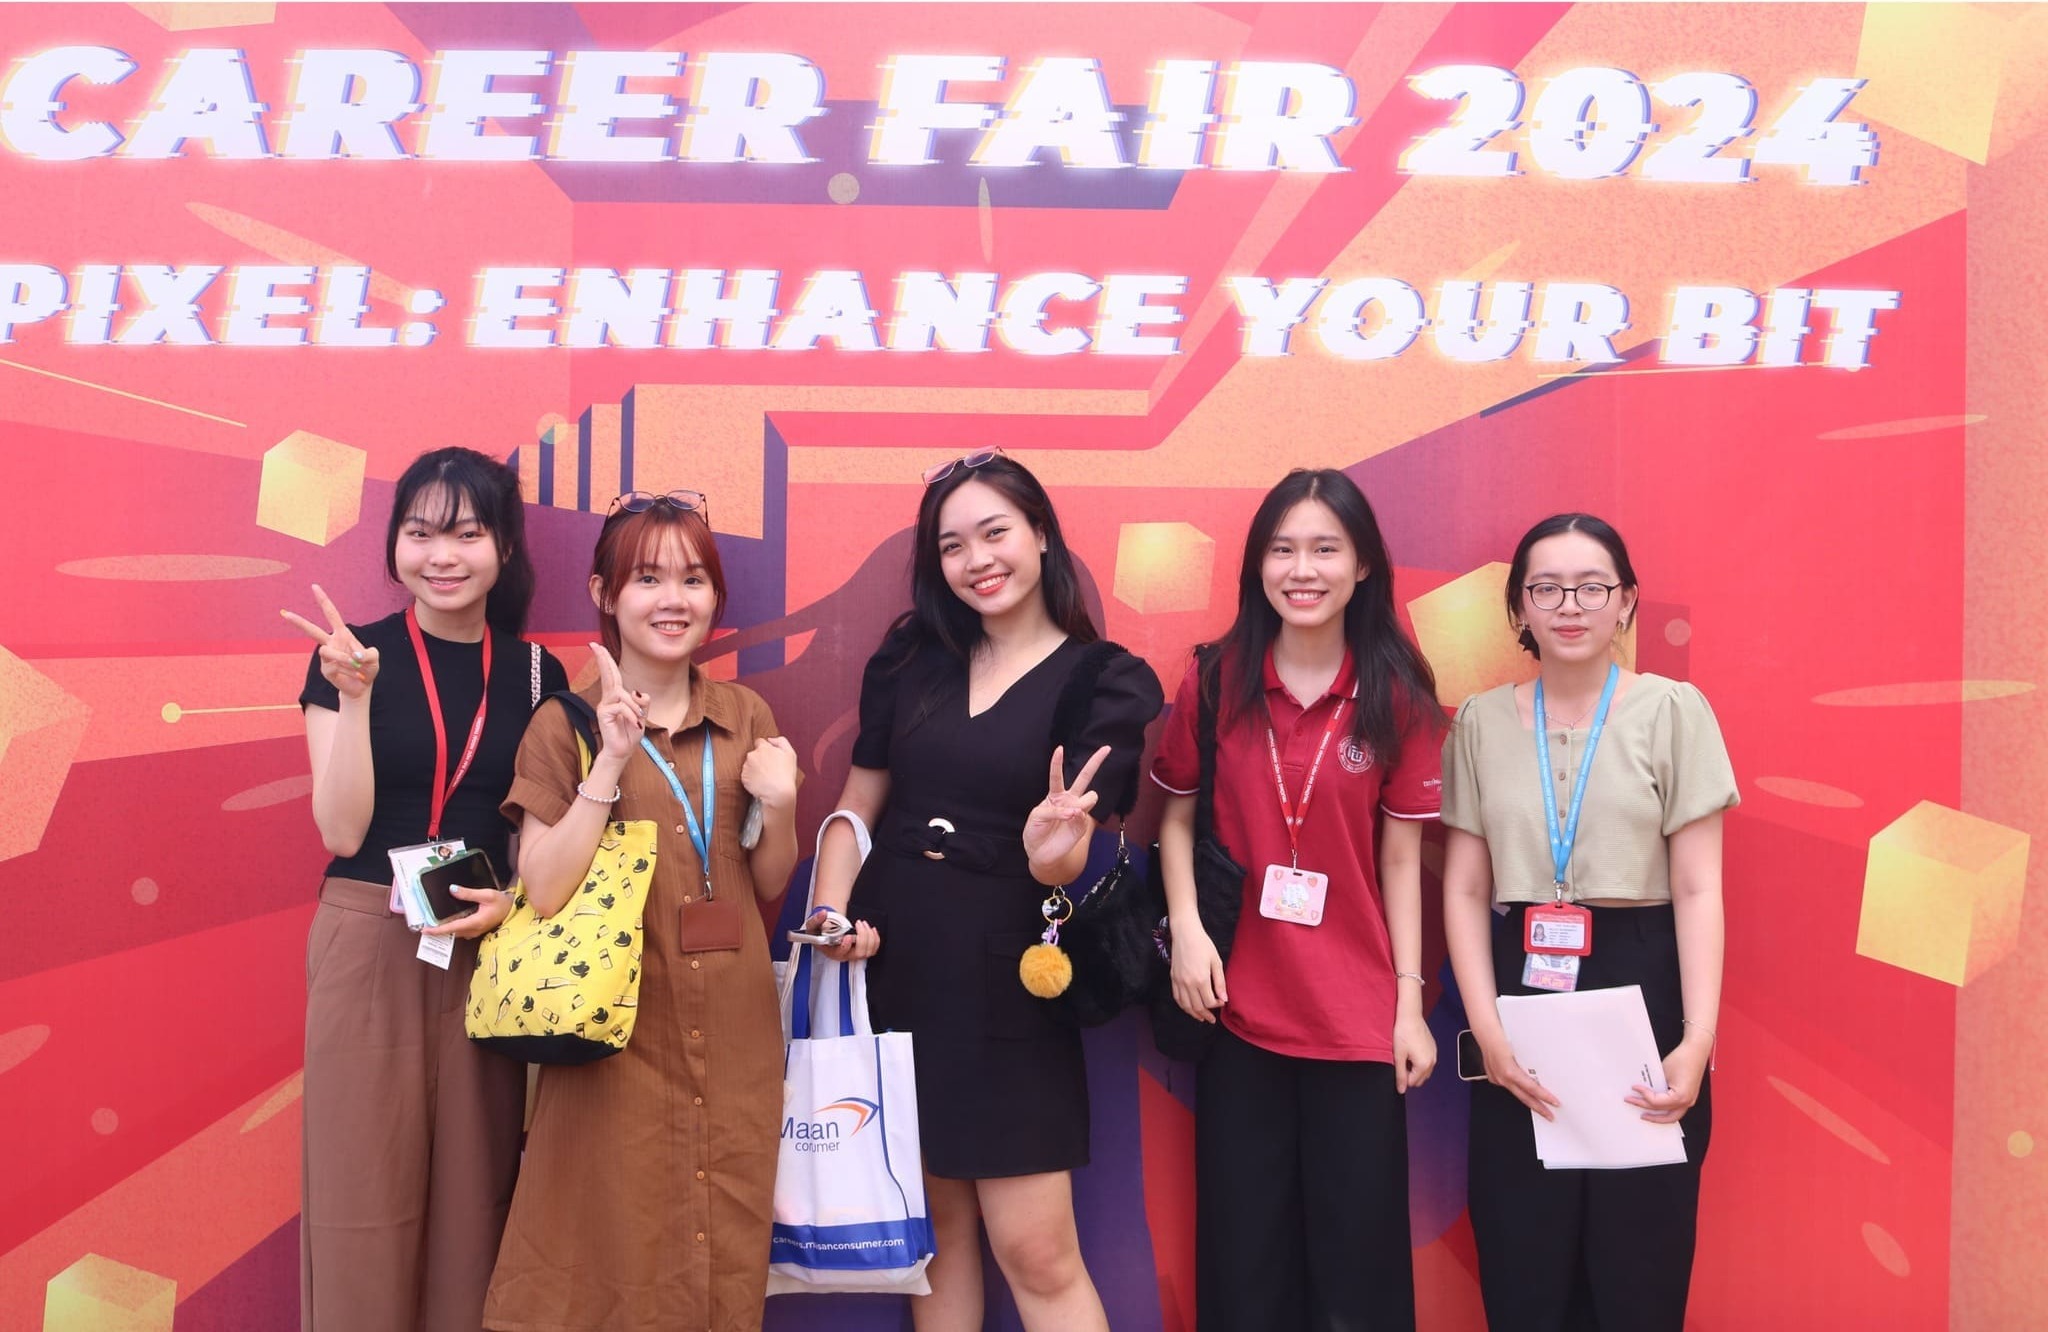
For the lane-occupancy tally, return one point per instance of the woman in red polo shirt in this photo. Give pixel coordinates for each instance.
(1327, 719)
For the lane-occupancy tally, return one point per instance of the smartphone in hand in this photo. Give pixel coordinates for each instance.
(465, 869)
(830, 929)
(1471, 1062)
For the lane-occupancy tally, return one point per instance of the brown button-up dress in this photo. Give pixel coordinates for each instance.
(646, 1194)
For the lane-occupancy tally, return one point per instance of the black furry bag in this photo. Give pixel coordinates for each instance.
(1219, 895)
(1109, 938)
(1109, 935)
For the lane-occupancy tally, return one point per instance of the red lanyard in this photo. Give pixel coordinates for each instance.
(1294, 815)
(444, 785)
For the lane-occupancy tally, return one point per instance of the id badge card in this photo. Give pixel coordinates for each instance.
(1558, 972)
(709, 925)
(436, 950)
(1558, 929)
(406, 864)
(1294, 895)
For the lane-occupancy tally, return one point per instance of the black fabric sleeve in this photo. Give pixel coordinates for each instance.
(319, 692)
(1127, 697)
(877, 714)
(878, 688)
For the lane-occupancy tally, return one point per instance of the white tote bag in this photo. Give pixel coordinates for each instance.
(850, 1211)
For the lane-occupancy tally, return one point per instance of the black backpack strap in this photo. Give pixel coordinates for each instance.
(583, 721)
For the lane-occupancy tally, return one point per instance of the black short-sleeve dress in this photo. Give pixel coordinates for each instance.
(1001, 1087)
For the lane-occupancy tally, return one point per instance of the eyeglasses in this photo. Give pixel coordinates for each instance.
(683, 501)
(934, 475)
(1550, 596)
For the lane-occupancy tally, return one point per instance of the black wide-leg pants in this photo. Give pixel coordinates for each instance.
(1580, 1250)
(1301, 1195)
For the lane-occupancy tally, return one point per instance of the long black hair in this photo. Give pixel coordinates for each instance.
(1393, 675)
(938, 615)
(1557, 524)
(489, 489)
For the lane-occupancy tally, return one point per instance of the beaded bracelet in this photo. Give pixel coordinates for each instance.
(1410, 975)
(611, 799)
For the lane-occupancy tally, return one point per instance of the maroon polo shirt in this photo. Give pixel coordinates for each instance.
(1312, 992)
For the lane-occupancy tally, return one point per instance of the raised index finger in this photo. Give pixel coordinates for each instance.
(608, 671)
(1056, 784)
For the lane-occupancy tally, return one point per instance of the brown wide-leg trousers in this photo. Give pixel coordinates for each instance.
(411, 1131)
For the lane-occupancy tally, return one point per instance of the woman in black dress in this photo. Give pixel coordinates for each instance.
(977, 807)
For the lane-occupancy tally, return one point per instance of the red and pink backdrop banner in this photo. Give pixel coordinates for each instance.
(1756, 282)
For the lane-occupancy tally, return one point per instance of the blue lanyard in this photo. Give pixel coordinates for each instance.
(1562, 840)
(700, 837)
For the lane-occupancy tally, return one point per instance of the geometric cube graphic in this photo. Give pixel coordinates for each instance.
(40, 727)
(97, 1294)
(1163, 567)
(217, 14)
(1942, 892)
(1938, 73)
(312, 487)
(703, 437)
(1462, 627)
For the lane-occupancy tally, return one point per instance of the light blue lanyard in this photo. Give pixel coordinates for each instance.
(700, 837)
(1562, 840)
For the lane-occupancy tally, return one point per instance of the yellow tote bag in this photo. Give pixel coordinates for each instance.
(564, 989)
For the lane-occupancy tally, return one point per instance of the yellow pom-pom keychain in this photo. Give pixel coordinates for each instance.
(1045, 968)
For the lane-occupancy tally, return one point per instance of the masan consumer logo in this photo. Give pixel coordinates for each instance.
(827, 1126)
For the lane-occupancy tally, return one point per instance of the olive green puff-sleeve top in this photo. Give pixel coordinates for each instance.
(1660, 765)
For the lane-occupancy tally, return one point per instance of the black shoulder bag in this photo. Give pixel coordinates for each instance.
(1109, 935)
(1219, 891)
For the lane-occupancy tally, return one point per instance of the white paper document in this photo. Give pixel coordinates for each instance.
(1589, 1048)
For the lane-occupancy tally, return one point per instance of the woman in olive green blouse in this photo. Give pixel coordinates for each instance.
(1616, 809)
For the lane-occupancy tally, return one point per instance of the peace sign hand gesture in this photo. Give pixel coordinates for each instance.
(1061, 821)
(347, 665)
(621, 713)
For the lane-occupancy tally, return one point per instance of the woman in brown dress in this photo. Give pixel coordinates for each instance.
(646, 1195)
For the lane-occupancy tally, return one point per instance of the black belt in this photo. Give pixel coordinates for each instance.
(936, 838)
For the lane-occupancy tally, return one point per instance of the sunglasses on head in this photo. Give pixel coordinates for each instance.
(934, 475)
(683, 501)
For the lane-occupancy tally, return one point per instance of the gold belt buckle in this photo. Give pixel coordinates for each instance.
(944, 827)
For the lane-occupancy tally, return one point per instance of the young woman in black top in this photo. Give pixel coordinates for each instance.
(412, 721)
(977, 807)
